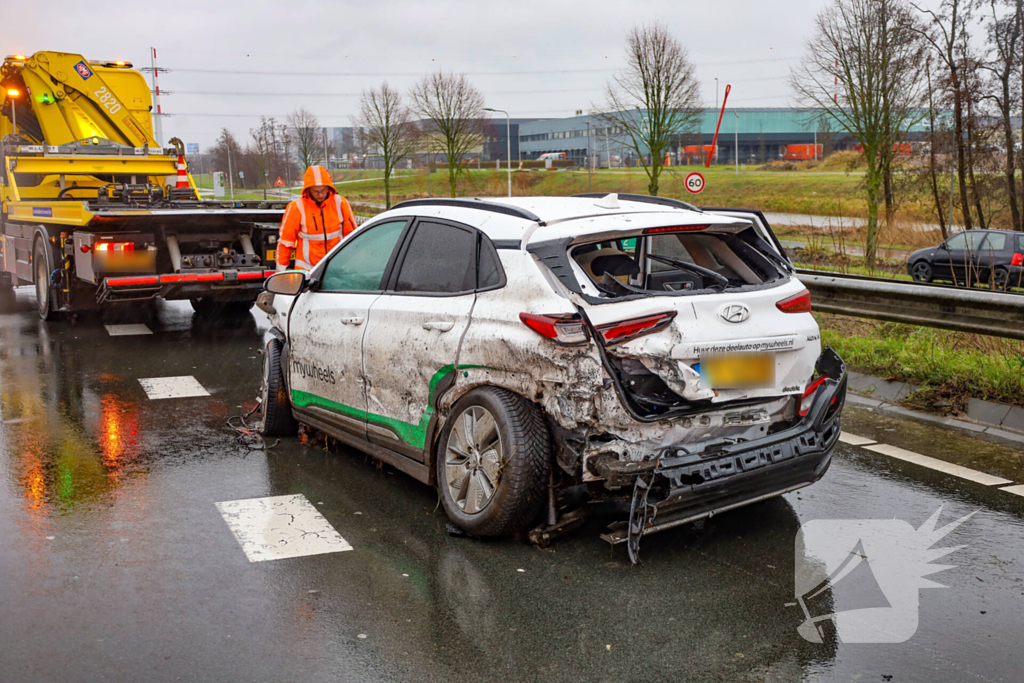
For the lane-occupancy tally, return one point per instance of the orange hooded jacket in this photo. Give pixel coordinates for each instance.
(313, 229)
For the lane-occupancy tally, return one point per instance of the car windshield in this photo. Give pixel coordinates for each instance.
(675, 263)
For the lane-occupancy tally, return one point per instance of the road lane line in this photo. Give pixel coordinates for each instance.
(279, 527)
(1017, 490)
(854, 440)
(172, 387)
(939, 465)
(127, 330)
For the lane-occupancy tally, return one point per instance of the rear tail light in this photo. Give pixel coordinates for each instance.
(114, 246)
(566, 330)
(675, 228)
(616, 333)
(803, 405)
(1017, 260)
(798, 303)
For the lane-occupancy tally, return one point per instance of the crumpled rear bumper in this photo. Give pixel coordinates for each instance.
(685, 488)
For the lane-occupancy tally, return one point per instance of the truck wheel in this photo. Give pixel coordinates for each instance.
(493, 461)
(44, 292)
(277, 418)
(206, 306)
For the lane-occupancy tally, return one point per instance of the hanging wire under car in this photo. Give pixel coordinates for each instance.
(249, 435)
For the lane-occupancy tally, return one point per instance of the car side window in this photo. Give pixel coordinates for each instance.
(1020, 242)
(957, 242)
(974, 239)
(440, 259)
(490, 273)
(359, 265)
(996, 241)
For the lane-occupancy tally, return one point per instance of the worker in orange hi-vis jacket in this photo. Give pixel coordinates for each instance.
(315, 222)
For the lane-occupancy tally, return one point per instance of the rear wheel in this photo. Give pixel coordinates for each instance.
(277, 418)
(1000, 279)
(492, 464)
(44, 292)
(205, 306)
(921, 272)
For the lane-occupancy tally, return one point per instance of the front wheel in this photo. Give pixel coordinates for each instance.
(493, 461)
(277, 418)
(922, 272)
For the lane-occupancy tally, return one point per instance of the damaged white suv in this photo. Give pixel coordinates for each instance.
(506, 349)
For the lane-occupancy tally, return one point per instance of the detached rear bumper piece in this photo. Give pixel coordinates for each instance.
(686, 488)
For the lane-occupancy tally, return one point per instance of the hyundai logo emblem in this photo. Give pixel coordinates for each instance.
(734, 313)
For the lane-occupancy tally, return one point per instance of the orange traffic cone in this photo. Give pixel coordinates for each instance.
(182, 174)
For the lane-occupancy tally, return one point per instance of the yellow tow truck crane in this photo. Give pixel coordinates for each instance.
(96, 211)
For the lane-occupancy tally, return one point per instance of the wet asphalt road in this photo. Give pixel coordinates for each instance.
(116, 565)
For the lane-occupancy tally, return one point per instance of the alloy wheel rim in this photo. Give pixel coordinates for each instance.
(473, 459)
(921, 271)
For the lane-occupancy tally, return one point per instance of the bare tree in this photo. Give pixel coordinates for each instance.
(655, 99)
(864, 69)
(453, 109)
(387, 128)
(947, 34)
(307, 136)
(1006, 44)
(227, 148)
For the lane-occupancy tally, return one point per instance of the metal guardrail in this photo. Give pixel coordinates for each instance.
(998, 314)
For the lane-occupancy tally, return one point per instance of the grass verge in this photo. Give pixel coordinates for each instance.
(950, 366)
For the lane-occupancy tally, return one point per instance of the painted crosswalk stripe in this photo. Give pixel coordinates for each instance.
(128, 330)
(279, 527)
(854, 440)
(173, 387)
(1017, 490)
(939, 465)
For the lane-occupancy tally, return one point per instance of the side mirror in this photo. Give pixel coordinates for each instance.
(943, 246)
(288, 283)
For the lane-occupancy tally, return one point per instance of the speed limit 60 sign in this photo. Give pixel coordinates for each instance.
(694, 182)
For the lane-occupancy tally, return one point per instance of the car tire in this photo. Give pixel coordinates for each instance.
(276, 408)
(922, 272)
(493, 479)
(1000, 279)
(42, 264)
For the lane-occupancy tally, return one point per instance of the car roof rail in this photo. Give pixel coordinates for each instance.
(644, 199)
(472, 203)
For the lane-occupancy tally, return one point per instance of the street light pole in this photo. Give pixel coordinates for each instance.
(737, 142)
(716, 93)
(508, 146)
(590, 163)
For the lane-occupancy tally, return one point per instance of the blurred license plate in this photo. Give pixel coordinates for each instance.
(738, 371)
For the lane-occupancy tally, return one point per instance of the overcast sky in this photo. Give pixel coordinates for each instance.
(537, 59)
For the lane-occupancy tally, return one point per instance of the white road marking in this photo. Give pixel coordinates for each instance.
(279, 527)
(939, 465)
(854, 440)
(173, 387)
(127, 330)
(1017, 490)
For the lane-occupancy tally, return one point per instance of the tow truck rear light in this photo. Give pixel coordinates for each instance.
(798, 303)
(626, 330)
(566, 330)
(1017, 260)
(675, 228)
(114, 246)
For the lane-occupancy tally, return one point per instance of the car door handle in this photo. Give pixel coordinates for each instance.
(353, 320)
(440, 325)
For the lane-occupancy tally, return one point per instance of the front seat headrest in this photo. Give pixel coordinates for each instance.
(614, 264)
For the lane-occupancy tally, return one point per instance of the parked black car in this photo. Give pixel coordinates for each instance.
(993, 257)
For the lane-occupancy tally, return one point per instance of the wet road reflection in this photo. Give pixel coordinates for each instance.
(113, 554)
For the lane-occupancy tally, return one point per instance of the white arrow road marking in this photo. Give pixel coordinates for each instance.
(173, 387)
(127, 330)
(279, 527)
